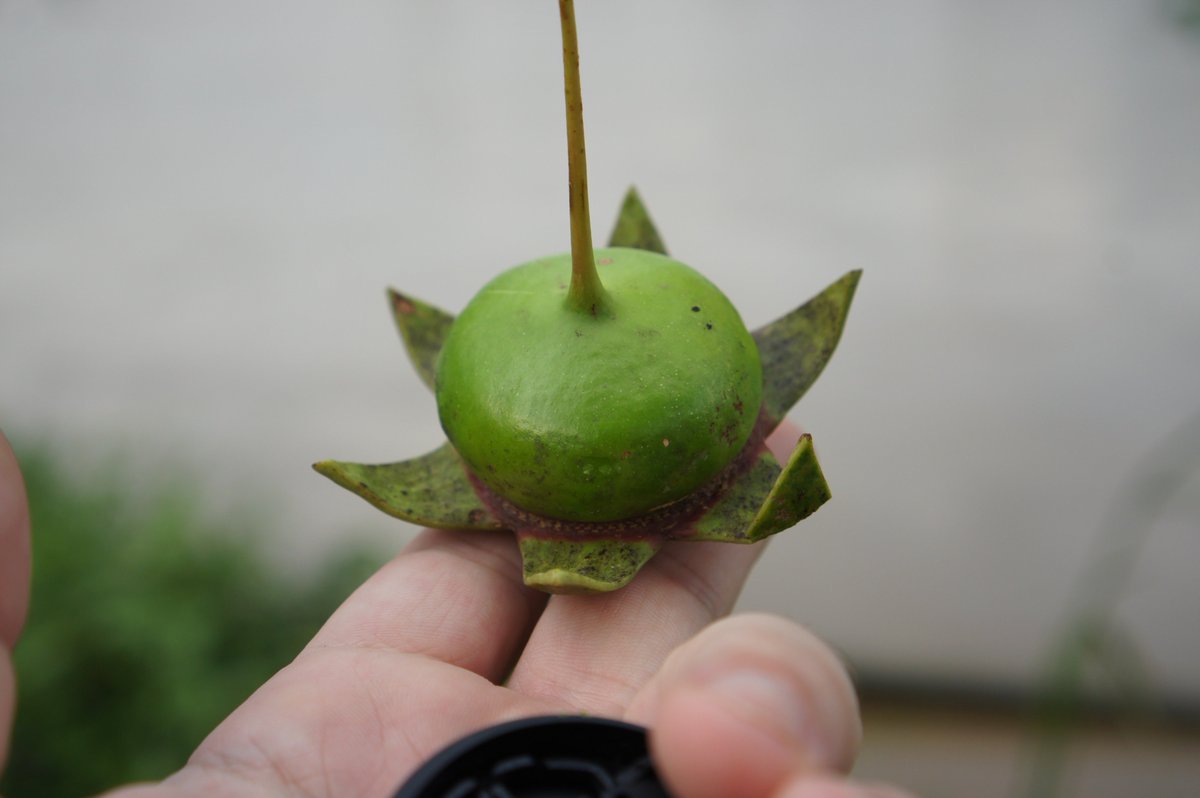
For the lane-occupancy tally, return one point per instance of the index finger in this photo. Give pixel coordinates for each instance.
(452, 596)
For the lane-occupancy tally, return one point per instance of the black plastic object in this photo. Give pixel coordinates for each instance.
(546, 757)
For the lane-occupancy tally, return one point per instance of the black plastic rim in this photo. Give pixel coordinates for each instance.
(544, 757)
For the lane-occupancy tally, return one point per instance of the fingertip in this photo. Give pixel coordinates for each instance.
(701, 753)
(783, 440)
(748, 704)
(822, 786)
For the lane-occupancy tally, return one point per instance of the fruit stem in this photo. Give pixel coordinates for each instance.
(586, 292)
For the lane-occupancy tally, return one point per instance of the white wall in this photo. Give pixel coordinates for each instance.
(201, 204)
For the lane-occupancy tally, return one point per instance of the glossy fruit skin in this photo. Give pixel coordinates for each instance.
(599, 417)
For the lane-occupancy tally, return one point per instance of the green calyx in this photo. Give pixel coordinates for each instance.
(765, 496)
(601, 403)
(599, 418)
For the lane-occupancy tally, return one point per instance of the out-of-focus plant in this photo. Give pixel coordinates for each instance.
(1093, 643)
(148, 624)
(1185, 13)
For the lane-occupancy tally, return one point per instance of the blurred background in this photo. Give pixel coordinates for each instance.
(201, 205)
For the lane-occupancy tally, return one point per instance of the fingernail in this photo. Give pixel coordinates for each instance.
(824, 786)
(770, 704)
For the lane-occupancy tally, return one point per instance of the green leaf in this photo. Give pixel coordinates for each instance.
(591, 566)
(796, 347)
(766, 499)
(424, 329)
(432, 490)
(634, 228)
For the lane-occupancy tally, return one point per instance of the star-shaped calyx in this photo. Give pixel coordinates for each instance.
(752, 498)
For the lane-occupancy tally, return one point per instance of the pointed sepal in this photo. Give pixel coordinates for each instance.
(634, 228)
(765, 499)
(732, 516)
(795, 348)
(583, 566)
(796, 494)
(432, 490)
(423, 328)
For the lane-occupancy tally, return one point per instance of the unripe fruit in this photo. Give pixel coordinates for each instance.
(603, 402)
(599, 417)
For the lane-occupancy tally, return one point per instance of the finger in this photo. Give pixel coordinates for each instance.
(341, 722)
(746, 705)
(373, 696)
(14, 580)
(14, 547)
(8, 696)
(830, 787)
(453, 596)
(592, 653)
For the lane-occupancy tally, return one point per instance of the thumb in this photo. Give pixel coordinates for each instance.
(748, 704)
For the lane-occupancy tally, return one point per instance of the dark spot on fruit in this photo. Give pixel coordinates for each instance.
(695, 308)
(477, 516)
(540, 453)
(579, 333)
(738, 405)
(708, 326)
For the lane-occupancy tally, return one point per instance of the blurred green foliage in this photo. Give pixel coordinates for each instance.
(1093, 641)
(1185, 13)
(147, 626)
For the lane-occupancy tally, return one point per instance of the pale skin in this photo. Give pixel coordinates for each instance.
(750, 705)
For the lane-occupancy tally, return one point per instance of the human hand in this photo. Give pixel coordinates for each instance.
(747, 706)
(14, 581)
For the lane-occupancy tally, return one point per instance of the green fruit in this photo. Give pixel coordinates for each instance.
(599, 417)
(601, 403)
